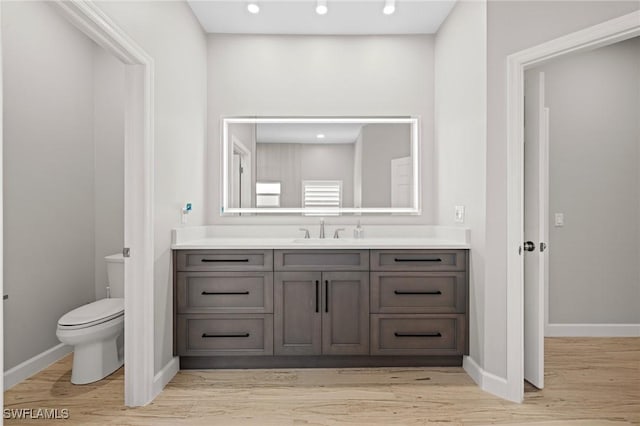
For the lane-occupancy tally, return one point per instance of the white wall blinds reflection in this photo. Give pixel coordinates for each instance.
(322, 194)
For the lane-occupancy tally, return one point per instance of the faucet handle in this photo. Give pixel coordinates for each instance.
(337, 233)
(306, 232)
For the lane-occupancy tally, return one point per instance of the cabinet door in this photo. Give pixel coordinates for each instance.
(345, 313)
(297, 317)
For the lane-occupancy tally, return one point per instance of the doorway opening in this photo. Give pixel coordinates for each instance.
(607, 33)
(140, 386)
(583, 142)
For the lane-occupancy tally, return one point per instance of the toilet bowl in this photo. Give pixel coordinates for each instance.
(95, 330)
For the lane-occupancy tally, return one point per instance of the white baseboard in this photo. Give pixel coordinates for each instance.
(165, 375)
(473, 369)
(488, 382)
(592, 330)
(34, 365)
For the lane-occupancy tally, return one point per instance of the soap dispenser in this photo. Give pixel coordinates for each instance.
(358, 232)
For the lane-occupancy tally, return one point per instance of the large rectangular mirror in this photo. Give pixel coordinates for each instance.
(320, 166)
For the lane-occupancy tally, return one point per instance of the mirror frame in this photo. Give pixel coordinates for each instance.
(416, 209)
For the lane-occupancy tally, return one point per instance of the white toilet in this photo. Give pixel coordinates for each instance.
(96, 330)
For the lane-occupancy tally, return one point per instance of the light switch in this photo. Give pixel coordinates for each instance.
(559, 219)
(459, 214)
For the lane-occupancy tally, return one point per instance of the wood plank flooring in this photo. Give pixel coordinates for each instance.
(589, 382)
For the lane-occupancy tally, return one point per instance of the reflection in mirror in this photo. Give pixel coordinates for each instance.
(320, 166)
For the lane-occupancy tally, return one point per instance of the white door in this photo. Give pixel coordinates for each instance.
(401, 182)
(536, 142)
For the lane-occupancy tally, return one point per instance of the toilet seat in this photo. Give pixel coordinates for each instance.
(92, 314)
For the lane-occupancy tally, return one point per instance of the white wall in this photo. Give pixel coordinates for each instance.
(263, 75)
(377, 153)
(108, 138)
(172, 36)
(291, 164)
(48, 175)
(64, 173)
(594, 102)
(511, 27)
(460, 137)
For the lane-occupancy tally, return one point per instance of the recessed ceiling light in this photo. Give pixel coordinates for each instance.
(320, 136)
(321, 8)
(253, 7)
(389, 7)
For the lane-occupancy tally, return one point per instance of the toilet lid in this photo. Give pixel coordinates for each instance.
(98, 311)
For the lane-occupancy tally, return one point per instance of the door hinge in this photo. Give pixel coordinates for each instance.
(126, 252)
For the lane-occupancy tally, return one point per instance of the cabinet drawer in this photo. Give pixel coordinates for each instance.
(418, 292)
(321, 260)
(218, 292)
(219, 334)
(417, 334)
(418, 260)
(224, 260)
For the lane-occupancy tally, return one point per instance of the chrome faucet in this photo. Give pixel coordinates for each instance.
(306, 233)
(321, 229)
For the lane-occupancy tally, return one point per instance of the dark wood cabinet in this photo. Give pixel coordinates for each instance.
(321, 313)
(223, 303)
(220, 334)
(297, 313)
(419, 302)
(224, 292)
(320, 308)
(417, 334)
(345, 317)
(418, 292)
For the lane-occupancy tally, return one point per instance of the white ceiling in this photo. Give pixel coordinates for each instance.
(299, 17)
(334, 133)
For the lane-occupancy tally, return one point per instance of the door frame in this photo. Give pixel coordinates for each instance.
(245, 162)
(1, 219)
(138, 192)
(606, 33)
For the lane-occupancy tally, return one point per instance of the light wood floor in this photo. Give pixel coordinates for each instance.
(589, 382)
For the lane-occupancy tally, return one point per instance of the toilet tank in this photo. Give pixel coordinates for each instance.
(115, 274)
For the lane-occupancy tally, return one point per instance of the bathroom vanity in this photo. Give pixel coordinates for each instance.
(267, 295)
(352, 303)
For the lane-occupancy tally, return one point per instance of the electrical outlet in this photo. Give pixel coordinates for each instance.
(459, 214)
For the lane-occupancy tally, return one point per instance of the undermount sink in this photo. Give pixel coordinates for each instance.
(328, 241)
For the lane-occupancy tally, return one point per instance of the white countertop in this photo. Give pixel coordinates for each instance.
(416, 237)
(315, 243)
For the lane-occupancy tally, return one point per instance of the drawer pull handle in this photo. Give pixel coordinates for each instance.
(401, 259)
(223, 260)
(326, 295)
(418, 292)
(223, 293)
(427, 334)
(224, 335)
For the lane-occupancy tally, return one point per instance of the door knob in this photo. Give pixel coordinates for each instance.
(529, 246)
